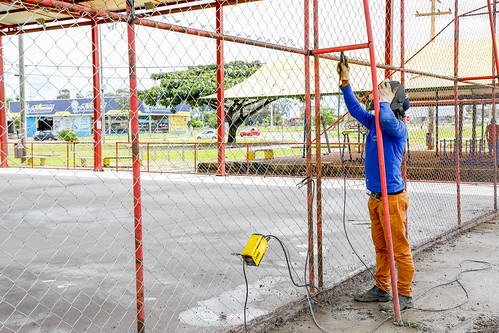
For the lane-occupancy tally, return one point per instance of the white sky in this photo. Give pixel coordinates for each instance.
(58, 60)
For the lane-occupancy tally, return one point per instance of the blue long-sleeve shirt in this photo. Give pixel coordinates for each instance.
(394, 134)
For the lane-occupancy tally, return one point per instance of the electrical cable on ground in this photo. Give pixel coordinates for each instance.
(456, 280)
(287, 256)
(247, 292)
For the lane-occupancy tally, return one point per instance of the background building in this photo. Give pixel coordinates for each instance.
(77, 115)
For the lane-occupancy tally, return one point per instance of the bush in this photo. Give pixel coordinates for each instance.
(196, 123)
(68, 136)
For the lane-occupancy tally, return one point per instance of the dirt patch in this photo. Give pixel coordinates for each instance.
(471, 257)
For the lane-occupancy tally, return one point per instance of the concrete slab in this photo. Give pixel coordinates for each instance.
(68, 264)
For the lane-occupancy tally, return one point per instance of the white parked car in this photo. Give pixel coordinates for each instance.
(209, 134)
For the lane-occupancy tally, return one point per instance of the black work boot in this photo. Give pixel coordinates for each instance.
(374, 294)
(405, 302)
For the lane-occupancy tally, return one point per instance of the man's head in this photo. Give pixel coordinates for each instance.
(394, 93)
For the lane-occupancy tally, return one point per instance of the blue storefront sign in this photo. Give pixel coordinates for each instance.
(78, 106)
(76, 114)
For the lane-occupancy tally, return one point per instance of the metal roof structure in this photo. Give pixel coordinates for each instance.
(284, 76)
(17, 16)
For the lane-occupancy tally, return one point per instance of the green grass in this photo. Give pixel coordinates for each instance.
(174, 152)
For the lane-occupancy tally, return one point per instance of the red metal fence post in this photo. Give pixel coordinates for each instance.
(402, 81)
(220, 93)
(495, 69)
(381, 157)
(318, 155)
(4, 148)
(308, 145)
(402, 41)
(134, 110)
(97, 101)
(493, 34)
(388, 36)
(456, 93)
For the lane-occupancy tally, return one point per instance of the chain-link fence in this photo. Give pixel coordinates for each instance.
(142, 143)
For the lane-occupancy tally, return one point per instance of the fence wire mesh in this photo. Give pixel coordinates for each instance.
(103, 182)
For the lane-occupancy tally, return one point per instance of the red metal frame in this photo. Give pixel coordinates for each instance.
(402, 82)
(381, 158)
(97, 101)
(402, 41)
(451, 102)
(308, 145)
(388, 35)
(4, 148)
(490, 77)
(492, 31)
(495, 70)
(318, 154)
(107, 16)
(317, 51)
(115, 17)
(137, 205)
(220, 94)
(456, 96)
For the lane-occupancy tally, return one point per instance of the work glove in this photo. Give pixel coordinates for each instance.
(385, 92)
(343, 70)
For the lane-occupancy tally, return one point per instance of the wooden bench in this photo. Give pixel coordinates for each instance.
(41, 158)
(268, 153)
(107, 160)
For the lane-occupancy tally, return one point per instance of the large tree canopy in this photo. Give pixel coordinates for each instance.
(190, 85)
(194, 82)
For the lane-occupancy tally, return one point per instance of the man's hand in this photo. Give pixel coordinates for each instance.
(343, 70)
(385, 92)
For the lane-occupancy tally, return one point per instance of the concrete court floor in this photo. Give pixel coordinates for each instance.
(68, 264)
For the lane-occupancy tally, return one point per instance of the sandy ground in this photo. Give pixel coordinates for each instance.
(440, 264)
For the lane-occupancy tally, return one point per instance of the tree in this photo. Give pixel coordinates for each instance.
(190, 85)
(329, 114)
(63, 94)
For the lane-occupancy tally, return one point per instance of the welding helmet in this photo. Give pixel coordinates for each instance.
(400, 103)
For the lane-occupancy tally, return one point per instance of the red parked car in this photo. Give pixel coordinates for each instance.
(253, 131)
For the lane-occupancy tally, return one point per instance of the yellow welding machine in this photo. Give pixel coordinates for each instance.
(254, 250)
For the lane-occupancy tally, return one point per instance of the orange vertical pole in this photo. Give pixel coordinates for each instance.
(402, 41)
(402, 81)
(457, 144)
(4, 148)
(318, 155)
(97, 101)
(137, 205)
(308, 145)
(381, 157)
(220, 93)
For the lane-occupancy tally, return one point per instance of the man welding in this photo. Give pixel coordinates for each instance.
(393, 104)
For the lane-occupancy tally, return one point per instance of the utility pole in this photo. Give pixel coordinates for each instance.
(433, 13)
(22, 96)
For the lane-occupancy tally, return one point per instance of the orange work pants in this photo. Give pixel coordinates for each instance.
(397, 205)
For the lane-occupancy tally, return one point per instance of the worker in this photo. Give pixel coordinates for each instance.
(394, 141)
(489, 132)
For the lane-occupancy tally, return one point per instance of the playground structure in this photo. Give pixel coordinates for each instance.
(32, 16)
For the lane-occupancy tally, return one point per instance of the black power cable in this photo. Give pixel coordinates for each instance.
(456, 280)
(290, 268)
